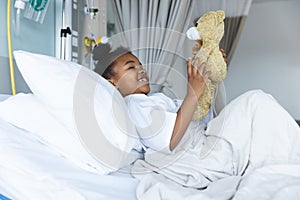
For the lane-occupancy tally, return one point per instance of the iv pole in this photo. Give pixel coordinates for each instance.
(64, 32)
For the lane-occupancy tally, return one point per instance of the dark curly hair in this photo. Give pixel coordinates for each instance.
(105, 58)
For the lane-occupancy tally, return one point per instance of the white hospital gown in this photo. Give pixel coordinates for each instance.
(154, 116)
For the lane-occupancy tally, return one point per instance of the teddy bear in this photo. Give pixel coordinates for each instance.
(208, 34)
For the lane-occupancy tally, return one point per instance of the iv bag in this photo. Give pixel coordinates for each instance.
(36, 10)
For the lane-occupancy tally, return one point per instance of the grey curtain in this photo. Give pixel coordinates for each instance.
(155, 31)
(233, 30)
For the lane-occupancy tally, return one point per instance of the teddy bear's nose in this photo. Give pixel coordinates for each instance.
(193, 34)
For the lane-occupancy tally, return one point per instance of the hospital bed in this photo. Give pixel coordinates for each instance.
(42, 158)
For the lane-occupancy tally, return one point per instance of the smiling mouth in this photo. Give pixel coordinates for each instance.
(143, 79)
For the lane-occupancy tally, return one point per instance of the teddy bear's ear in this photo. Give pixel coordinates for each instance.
(221, 14)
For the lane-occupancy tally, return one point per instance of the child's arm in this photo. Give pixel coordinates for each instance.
(196, 86)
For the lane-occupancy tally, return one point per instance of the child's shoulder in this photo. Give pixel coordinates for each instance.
(136, 99)
(158, 95)
(150, 99)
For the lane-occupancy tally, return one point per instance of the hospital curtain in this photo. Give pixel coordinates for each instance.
(234, 27)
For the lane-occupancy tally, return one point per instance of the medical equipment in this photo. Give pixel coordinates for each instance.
(36, 10)
(80, 26)
(90, 10)
(11, 63)
(64, 32)
(19, 5)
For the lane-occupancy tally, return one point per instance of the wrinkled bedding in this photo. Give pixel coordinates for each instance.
(250, 138)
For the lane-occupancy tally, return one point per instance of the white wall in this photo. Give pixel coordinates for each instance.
(268, 54)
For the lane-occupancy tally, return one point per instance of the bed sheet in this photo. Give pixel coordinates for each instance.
(31, 170)
(4, 96)
(274, 182)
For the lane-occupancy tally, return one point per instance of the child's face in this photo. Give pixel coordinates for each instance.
(130, 77)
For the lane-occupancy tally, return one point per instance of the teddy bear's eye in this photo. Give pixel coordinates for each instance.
(195, 22)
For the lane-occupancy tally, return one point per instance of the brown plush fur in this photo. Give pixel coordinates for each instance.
(211, 30)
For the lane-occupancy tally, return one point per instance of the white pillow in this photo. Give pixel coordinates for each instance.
(86, 104)
(27, 112)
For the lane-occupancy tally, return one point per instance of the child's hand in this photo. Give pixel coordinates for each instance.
(196, 79)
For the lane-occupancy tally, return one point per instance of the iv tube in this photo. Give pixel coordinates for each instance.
(18, 13)
(10, 56)
(19, 5)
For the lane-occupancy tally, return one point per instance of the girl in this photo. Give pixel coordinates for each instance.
(125, 72)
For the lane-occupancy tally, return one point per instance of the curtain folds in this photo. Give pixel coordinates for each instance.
(233, 30)
(155, 31)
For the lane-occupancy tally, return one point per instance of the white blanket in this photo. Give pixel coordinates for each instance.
(252, 132)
